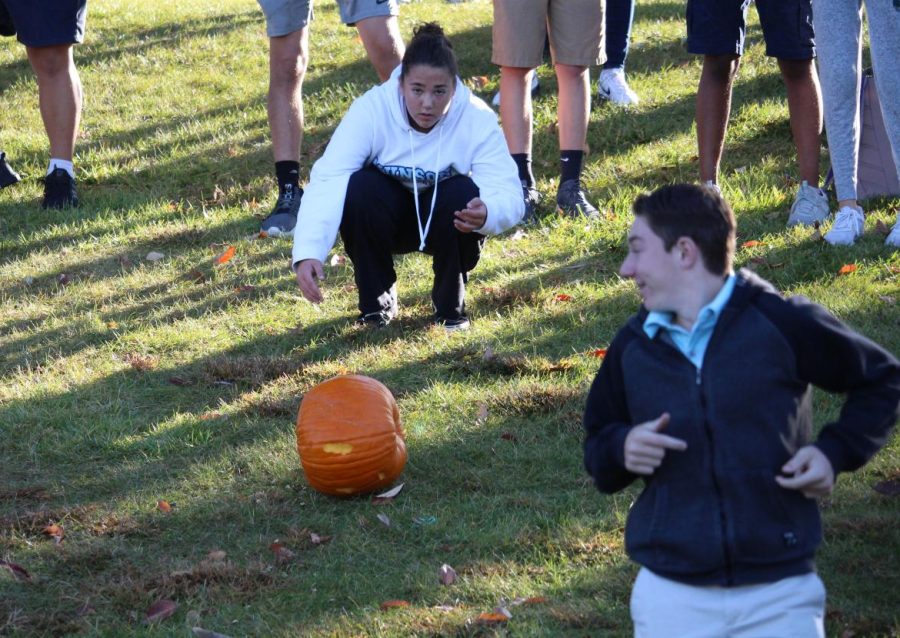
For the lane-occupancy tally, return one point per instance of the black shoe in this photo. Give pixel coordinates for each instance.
(532, 198)
(571, 201)
(59, 190)
(8, 176)
(374, 319)
(283, 217)
(452, 325)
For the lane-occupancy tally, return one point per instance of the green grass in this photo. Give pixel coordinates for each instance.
(125, 381)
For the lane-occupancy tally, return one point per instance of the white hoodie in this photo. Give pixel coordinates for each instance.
(376, 130)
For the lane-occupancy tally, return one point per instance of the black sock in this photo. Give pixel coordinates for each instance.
(523, 163)
(570, 165)
(287, 172)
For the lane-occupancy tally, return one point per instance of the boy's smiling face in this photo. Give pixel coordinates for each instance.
(654, 270)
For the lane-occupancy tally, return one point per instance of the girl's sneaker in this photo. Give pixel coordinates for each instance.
(893, 238)
(848, 225)
(810, 206)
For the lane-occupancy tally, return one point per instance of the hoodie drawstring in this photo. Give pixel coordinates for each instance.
(423, 232)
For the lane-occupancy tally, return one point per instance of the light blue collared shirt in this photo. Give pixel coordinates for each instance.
(692, 343)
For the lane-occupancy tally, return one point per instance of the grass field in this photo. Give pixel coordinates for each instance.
(126, 381)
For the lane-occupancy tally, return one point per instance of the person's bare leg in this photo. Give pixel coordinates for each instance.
(60, 96)
(515, 108)
(381, 37)
(805, 106)
(574, 106)
(712, 111)
(288, 59)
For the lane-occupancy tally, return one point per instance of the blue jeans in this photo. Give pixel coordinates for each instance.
(619, 16)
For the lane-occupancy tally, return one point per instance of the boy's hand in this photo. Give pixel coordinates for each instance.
(645, 447)
(309, 272)
(472, 217)
(809, 471)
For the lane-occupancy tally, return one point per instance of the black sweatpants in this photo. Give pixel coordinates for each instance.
(379, 221)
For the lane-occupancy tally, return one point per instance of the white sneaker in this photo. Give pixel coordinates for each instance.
(848, 225)
(535, 89)
(809, 207)
(613, 86)
(893, 238)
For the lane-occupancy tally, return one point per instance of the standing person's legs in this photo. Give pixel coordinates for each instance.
(576, 42)
(455, 253)
(49, 30)
(287, 25)
(716, 30)
(612, 85)
(518, 33)
(884, 37)
(379, 220)
(805, 107)
(376, 22)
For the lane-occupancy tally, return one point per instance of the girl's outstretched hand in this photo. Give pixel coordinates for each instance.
(472, 217)
(309, 273)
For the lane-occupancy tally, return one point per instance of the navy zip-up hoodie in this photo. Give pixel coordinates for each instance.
(713, 514)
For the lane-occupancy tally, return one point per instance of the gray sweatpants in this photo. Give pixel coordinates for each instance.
(838, 25)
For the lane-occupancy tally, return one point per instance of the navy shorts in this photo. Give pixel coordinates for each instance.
(48, 22)
(718, 27)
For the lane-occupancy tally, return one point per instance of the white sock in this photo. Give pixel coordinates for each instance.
(66, 165)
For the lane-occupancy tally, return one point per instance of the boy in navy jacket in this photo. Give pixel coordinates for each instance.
(705, 394)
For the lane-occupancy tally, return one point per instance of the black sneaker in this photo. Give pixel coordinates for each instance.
(571, 201)
(532, 198)
(374, 319)
(452, 325)
(8, 176)
(59, 190)
(283, 217)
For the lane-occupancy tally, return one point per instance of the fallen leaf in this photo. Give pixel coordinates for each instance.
(385, 519)
(394, 604)
(262, 234)
(501, 609)
(218, 195)
(751, 243)
(196, 276)
(479, 81)
(563, 297)
(488, 354)
(881, 228)
(125, 262)
(444, 607)
(491, 618)
(55, 532)
(160, 610)
(154, 256)
(226, 256)
(179, 381)
(112, 325)
(163, 506)
(740, 169)
(317, 539)
(29, 280)
(140, 362)
(200, 632)
(387, 497)
(516, 236)
(245, 289)
(600, 353)
(535, 600)
(17, 571)
(887, 299)
(846, 269)
(816, 234)
(216, 556)
(282, 553)
(63, 279)
(482, 415)
(337, 260)
(509, 436)
(446, 575)
(888, 488)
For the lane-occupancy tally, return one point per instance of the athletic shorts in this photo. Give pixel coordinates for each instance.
(286, 16)
(574, 27)
(718, 27)
(48, 22)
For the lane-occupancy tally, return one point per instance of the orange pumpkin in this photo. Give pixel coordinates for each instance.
(349, 436)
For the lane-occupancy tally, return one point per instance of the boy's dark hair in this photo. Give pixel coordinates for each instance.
(698, 212)
(429, 46)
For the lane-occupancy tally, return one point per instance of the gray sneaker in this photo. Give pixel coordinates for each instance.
(571, 201)
(283, 218)
(810, 207)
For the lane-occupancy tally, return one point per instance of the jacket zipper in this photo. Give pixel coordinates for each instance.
(729, 568)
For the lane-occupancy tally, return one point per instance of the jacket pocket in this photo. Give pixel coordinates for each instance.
(770, 524)
(676, 527)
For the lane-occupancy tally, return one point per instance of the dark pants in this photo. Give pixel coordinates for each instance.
(379, 221)
(619, 16)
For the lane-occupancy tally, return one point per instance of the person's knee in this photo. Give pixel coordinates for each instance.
(287, 63)
(721, 68)
(52, 62)
(797, 71)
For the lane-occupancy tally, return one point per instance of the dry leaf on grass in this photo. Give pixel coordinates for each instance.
(154, 255)
(882, 229)
(226, 256)
(446, 575)
(563, 297)
(387, 497)
(846, 269)
(752, 243)
(164, 506)
(282, 553)
(385, 519)
(337, 260)
(55, 532)
(600, 353)
(888, 488)
(491, 618)
(394, 604)
(160, 610)
(17, 570)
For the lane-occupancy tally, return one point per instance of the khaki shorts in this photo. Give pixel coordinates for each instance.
(286, 16)
(575, 28)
